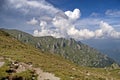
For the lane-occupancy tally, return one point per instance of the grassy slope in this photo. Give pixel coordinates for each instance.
(10, 47)
(69, 49)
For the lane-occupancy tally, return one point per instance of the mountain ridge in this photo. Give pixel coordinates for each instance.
(72, 50)
(108, 47)
(11, 48)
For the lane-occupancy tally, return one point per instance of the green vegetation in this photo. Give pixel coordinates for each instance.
(3, 71)
(74, 51)
(15, 50)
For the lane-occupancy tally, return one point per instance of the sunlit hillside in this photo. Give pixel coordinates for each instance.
(10, 48)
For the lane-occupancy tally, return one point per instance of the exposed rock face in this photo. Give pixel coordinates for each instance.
(76, 52)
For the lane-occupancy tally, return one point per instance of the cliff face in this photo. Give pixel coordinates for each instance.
(70, 49)
(75, 51)
(26, 55)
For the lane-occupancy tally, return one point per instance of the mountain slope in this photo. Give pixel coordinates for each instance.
(10, 48)
(69, 49)
(110, 47)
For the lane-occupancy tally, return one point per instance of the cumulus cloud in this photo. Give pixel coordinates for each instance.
(43, 24)
(73, 15)
(45, 31)
(69, 31)
(64, 27)
(56, 23)
(80, 34)
(33, 21)
(108, 30)
(36, 33)
(105, 31)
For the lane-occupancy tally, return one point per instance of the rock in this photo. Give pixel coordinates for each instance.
(1, 64)
(73, 69)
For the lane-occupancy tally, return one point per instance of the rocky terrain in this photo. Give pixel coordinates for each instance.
(47, 64)
(70, 49)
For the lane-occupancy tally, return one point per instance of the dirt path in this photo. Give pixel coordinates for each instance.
(23, 67)
(41, 75)
(45, 75)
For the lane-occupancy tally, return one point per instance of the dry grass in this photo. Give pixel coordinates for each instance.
(10, 47)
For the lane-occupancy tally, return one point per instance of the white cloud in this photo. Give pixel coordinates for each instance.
(104, 31)
(99, 33)
(87, 23)
(113, 13)
(56, 23)
(46, 31)
(80, 34)
(107, 31)
(105, 27)
(73, 15)
(35, 33)
(36, 7)
(43, 24)
(64, 27)
(33, 21)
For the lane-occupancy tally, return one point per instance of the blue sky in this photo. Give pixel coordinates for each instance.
(80, 19)
(87, 6)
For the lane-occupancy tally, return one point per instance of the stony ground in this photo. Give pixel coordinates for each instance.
(41, 74)
(45, 75)
(1, 64)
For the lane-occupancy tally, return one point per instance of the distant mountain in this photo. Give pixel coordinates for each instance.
(110, 47)
(12, 49)
(76, 52)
